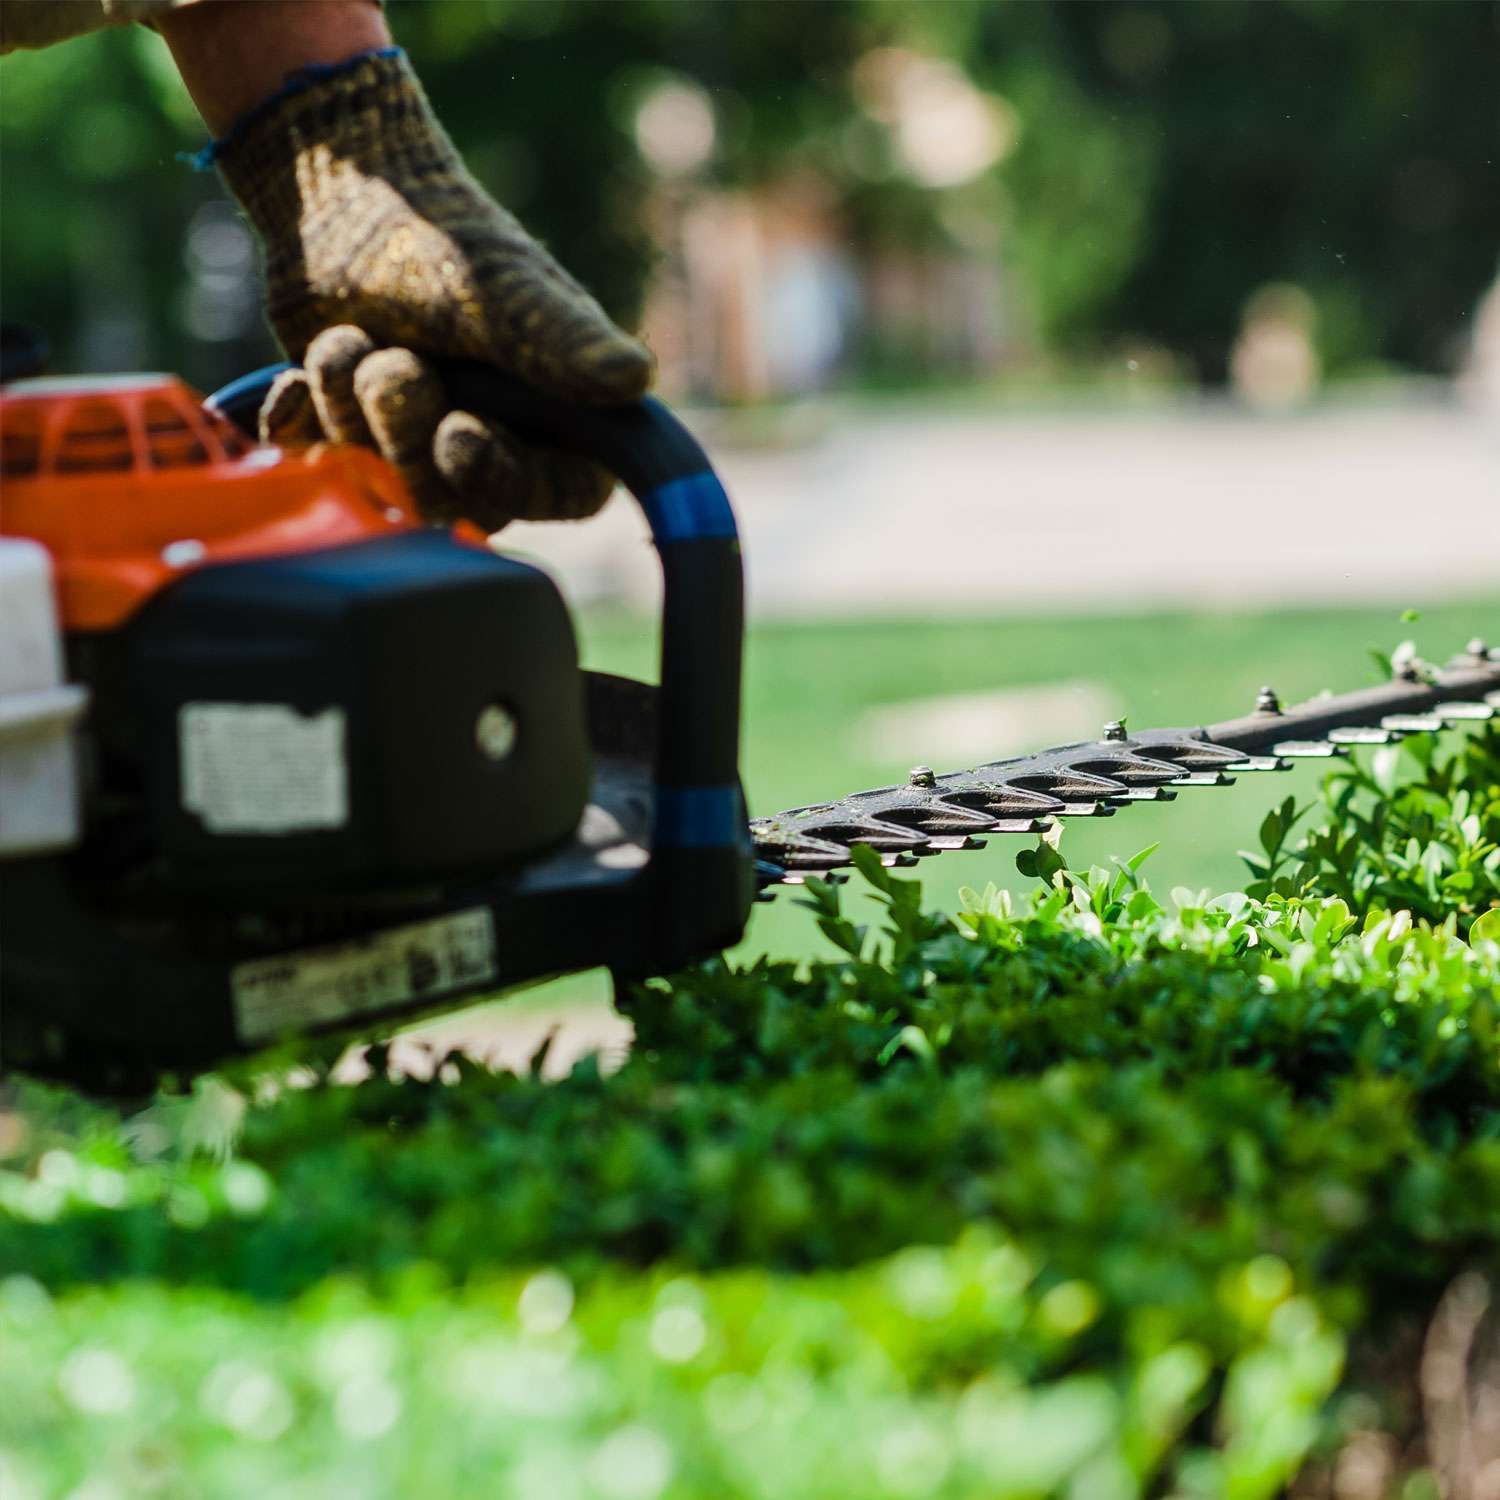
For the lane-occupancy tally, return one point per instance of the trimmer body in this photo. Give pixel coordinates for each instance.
(323, 766)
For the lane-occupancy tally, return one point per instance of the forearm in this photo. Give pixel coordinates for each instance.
(232, 54)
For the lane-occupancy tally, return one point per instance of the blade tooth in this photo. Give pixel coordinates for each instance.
(1467, 660)
(1204, 778)
(886, 838)
(839, 823)
(1462, 712)
(1361, 734)
(1019, 802)
(795, 849)
(1019, 825)
(811, 861)
(1307, 749)
(948, 843)
(811, 869)
(1492, 700)
(927, 812)
(1187, 753)
(900, 861)
(1062, 782)
(1087, 810)
(961, 819)
(1259, 763)
(1412, 723)
(1146, 794)
(1133, 770)
(999, 799)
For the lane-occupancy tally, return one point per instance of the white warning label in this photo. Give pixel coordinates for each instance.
(263, 767)
(317, 986)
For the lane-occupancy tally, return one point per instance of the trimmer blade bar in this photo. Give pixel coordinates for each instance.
(935, 814)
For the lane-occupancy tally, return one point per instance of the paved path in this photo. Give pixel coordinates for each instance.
(890, 509)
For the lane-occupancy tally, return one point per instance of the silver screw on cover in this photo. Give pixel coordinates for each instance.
(1266, 701)
(1115, 729)
(922, 776)
(184, 554)
(495, 731)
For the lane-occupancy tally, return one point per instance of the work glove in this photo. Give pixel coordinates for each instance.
(381, 249)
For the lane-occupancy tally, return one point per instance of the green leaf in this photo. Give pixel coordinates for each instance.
(1043, 862)
(909, 1039)
(1272, 831)
(1485, 928)
(867, 861)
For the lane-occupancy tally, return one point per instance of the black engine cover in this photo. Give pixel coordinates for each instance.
(374, 713)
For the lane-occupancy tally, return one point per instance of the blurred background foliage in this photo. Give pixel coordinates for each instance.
(971, 188)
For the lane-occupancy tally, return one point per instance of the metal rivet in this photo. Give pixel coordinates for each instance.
(495, 731)
(922, 776)
(183, 554)
(1266, 701)
(1478, 647)
(1115, 729)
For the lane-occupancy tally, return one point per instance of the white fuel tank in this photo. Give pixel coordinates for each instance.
(39, 793)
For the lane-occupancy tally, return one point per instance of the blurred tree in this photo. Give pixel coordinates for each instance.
(94, 205)
(1168, 161)
(542, 96)
(1347, 147)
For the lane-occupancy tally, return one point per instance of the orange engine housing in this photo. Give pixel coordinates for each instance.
(129, 481)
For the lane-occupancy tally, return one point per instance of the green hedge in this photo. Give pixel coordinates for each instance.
(1087, 1191)
(935, 1372)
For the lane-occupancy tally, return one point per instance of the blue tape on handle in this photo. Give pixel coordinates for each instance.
(698, 817)
(688, 509)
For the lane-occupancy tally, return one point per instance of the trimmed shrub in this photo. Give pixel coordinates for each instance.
(1084, 1194)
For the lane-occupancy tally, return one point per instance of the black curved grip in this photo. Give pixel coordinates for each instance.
(643, 444)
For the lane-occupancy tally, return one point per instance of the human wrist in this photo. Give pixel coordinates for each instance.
(234, 54)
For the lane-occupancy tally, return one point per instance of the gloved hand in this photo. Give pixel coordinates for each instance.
(380, 248)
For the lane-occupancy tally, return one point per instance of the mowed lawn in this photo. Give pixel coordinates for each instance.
(810, 690)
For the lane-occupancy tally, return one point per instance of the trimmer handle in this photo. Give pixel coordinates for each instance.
(698, 802)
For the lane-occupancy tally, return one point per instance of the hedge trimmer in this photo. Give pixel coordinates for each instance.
(276, 758)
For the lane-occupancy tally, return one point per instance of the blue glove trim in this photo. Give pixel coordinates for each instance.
(698, 817)
(686, 509)
(296, 83)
